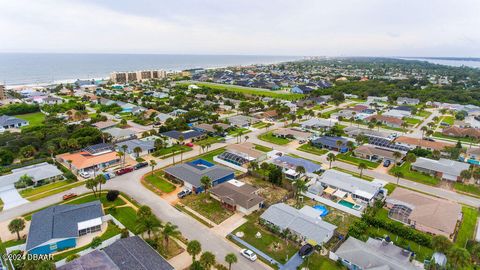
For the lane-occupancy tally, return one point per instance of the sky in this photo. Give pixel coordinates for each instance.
(252, 27)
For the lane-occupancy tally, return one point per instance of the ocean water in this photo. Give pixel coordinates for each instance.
(34, 68)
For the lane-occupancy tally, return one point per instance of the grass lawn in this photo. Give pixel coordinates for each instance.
(34, 119)
(268, 137)
(209, 155)
(412, 121)
(455, 139)
(261, 125)
(159, 182)
(251, 91)
(329, 113)
(209, 140)
(424, 114)
(127, 216)
(12, 243)
(267, 241)
(263, 148)
(207, 207)
(103, 200)
(36, 190)
(467, 228)
(168, 152)
(349, 158)
(320, 107)
(312, 149)
(317, 261)
(471, 189)
(448, 119)
(55, 191)
(390, 187)
(356, 174)
(235, 132)
(415, 176)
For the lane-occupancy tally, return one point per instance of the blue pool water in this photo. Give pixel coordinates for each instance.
(322, 209)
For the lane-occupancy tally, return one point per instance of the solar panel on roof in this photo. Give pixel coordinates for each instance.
(97, 148)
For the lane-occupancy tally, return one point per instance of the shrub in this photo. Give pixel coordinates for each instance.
(139, 159)
(72, 257)
(96, 241)
(124, 233)
(112, 195)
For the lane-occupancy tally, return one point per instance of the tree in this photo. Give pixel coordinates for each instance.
(120, 155)
(350, 145)
(396, 155)
(207, 260)
(137, 150)
(441, 243)
(331, 157)
(96, 241)
(206, 182)
(27, 151)
(101, 180)
(339, 144)
(181, 139)
(459, 257)
(230, 258)
(169, 230)
(153, 163)
(194, 248)
(124, 150)
(92, 184)
(398, 174)
(196, 266)
(246, 138)
(436, 154)
(361, 167)
(424, 129)
(149, 224)
(465, 175)
(300, 170)
(411, 158)
(16, 226)
(112, 195)
(476, 174)
(300, 186)
(144, 211)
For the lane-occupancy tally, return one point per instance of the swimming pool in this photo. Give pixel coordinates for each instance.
(350, 205)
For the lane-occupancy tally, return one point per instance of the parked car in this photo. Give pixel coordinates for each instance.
(189, 144)
(140, 165)
(69, 196)
(184, 193)
(305, 250)
(85, 174)
(109, 175)
(302, 141)
(386, 163)
(124, 171)
(247, 253)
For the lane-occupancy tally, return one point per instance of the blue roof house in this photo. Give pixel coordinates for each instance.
(330, 142)
(58, 227)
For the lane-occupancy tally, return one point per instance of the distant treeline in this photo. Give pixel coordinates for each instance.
(21, 108)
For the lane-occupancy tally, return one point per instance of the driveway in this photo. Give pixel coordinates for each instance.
(10, 197)
(293, 263)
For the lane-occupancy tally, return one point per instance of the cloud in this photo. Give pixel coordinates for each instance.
(274, 27)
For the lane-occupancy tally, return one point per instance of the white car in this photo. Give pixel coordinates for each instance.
(247, 253)
(85, 174)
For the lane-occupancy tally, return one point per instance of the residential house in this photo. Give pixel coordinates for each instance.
(242, 121)
(240, 155)
(334, 143)
(270, 115)
(389, 121)
(120, 134)
(423, 212)
(444, 169)
(105, 124)
(289, 165)
(292, 133)
(8, 122)
(124, 254)
(407, 101)
(146, 147)
(59, 227)
(462, 132)
(374, 99)
(413, 143)
(375, 153)
(318, 124)
(353, 132)
(302, 89)
(212, 129)
(397, 113)
(471, 156)
(91, 158)
(305, 227)
(178, 112)
(373, 254)
(190, 174)
(237, 196)
(188, 136)
(39, 173)
(163, 117)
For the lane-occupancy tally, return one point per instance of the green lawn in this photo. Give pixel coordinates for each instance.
(209, 155)
(267, 241)
(412, 121)
(103, 200)
(321, 107)
(390, 187)
(209, 140)
(261, 125)
(467, 228)
(329, 113)
(424, 114)
(263, 148)
(449, 120)
(34, 119)
(207, 207)
(415, 176)
(471, 189)
(349, 158)
(312, 149)
(55, 191)
(36, 190)
(356, 174)
(159, 182)
(251, 91)
(317, 261)
(235, 132)
(455, 139)
(127, 216)
(268, 137)
(168, 152)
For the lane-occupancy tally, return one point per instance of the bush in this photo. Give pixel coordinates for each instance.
(72, 257)
(112, 195)
(96, 241)
(139, 159)
(124, 233)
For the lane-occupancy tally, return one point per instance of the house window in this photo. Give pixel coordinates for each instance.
(90, 230)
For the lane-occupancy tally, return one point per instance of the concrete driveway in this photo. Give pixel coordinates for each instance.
(10, 197)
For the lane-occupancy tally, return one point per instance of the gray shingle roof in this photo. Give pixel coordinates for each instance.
(133, 253)
(131, 144)
(446, 166)
(192, 175)
(6, 120)
(285, 216)
(60, 221)
(175, 134)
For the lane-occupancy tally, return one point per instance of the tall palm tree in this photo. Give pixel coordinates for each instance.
(459, 257)
(120, 155)
(362, 166)
(207, 260)
(206, 182)
(194, 248)
(331, 158)
(181, 139)
(396, 156)
(339, 144)
(423, 129)
(230, 258)
(169, 230)
(148, 224)
(137, 150)
(153, 163)
(101, 180)
(124, 148)
(398, 174)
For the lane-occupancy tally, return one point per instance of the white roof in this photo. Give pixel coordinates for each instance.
(339, 193)
(451, 169)
(349, 183)
(38, 172)
(364, 194)
(89, 223)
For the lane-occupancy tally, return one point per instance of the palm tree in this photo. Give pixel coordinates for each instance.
(362, 166)
(300, 186)
(137, 150)
(153, 163)
(144, 211)
(230, 258)
(404, 125)
(181, 139)
(207, 260)
(16, 226)
(350, 145)
(459, 257)
(101, 180)
(331, 158)
(396, 156)
(124, 148)
(69, 164)
(194, 248)
(169, 230)
(424, 129)
(246, 138)
(148, 224)
(339, 144)
(120, 155)
(206, 182)
(398, 174)
(465, 175)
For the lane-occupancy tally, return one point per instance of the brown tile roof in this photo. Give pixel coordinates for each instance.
(462, 132)
(423, 143)
(386, 119)
(237, 194)
(246, 148)
(104, 124)
(82, 160)
(429, 211)
(210, 128)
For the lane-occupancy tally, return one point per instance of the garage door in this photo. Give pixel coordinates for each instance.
(10, 197)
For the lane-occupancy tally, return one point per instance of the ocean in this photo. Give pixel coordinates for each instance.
(36, 68)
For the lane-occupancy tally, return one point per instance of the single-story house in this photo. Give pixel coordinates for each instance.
(346, 187)
(353, 132)
(413, 143)
(237, 196)
(374, 99)
(178, 112)
(375, 153)
(105, 124)
(270, 115)
(163, 117)
(124, 254)
(242, 120)
(42, 172)
(305, 227)
(373, 254)
(397, 113)
(444, 169)
(330, 142)
(289, 165)
(91, 158)
(242, 154)
(386, 120)
(8, 122)
(188, 135)
(292, 133)
(462, 132)
(425, 213)
(407, 101)
(318, 123)
(146, 146)
(190, 173)
(120, 134)
(211, 128)
(302, 89)
(58, 227)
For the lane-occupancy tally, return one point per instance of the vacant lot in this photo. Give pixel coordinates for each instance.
(312, 149)
(158, 181)
(268, 137)
(207, 207)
